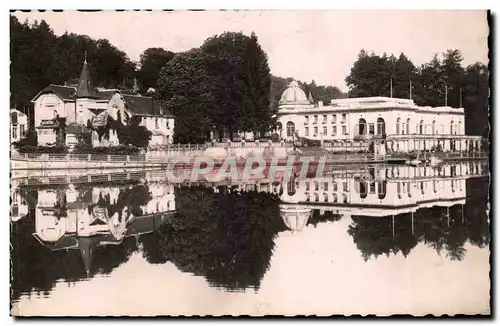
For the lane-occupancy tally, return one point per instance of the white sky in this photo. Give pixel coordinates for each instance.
(319, 45)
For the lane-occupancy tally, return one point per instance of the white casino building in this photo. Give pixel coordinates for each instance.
(404, 125)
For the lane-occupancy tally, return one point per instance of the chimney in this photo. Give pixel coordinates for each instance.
(320, 104)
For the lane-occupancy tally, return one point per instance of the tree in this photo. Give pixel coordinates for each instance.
(151, 62)
(187, 89)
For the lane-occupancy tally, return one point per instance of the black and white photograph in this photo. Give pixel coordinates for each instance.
(250, 163)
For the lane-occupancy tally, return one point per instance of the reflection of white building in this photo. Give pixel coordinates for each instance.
(18, 205)
(81, 219)
(393, 190)
(406, 125)
(82, 104)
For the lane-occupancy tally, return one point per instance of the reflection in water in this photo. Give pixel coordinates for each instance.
(70, 231)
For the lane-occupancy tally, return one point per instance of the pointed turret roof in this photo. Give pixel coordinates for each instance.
(85, 87)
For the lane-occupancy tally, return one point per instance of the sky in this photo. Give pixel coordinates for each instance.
(306, 45)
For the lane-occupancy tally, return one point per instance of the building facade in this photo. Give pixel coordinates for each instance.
(403, 124)
(84, 105)
(18, 125)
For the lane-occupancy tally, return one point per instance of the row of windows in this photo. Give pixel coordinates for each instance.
(325, 186)
(325, 131)
(157, 122)
(421, 128)
(22, 131)
(335, 198)
(401, 186)
(325, 119)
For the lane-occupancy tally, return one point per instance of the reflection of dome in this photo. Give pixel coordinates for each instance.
(294, 216)
(293, 95)
(117, 226)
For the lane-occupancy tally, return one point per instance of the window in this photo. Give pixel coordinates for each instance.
(307, 186)
(344, 198)
(325, 186)
(451, 128)
(334, 185)
(14, 132)
(344, 130)
(307, 120)
(408, 126)
(21, 130)
(371, 129)
(156, 123)
(334, 118)
(307, 131)
(315, 131)
(434, 127)
(334, 130)
(325, 131)
(380, 126)
(344, 185)
(361, 126)
(362, 190)
(326, 197)
(421, 130)
(343, 117)
(290, 129)
(316, 185)
(315, 119)
(168, 124)
(398, 126)
(324, 119)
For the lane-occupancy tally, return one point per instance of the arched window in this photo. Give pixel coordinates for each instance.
(363, 191)
(451, 128)
(362, 126)
(434, 186)
(326, 197)
(290, 129)
(460, 127)
(380, 126)
(434, 127)
(279, 126)
(421, 130)
(316, 197)
(344, 198)
(399, 190)
(335, 198)
(452, 185)
(291, 188)
(308, 197)
(422, 188)
(398, 126)
(334, 185)
(408, 126)
(408, 189)
(382, 189)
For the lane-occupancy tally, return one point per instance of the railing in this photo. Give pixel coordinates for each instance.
(38, 157)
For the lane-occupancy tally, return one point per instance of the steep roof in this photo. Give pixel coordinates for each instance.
(145, 105)
(85, 87)
(66, 93)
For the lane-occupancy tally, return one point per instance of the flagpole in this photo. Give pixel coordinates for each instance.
(446, 95)
(410, 89)
(391, 87)
(460, 96)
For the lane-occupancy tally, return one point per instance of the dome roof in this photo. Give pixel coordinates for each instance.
(293, 94)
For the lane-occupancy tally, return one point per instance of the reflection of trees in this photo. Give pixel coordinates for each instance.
(35, 267)
(226, 237)
(317, 217)
(444, 230)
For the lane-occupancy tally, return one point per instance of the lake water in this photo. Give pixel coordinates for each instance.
(365, 240)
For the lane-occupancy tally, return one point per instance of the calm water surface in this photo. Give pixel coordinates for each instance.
(365, 240)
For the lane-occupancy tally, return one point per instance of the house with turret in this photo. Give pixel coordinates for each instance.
(69, 113)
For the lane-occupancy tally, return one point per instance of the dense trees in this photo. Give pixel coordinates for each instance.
(441, 81)
(151, 62)
(39, 58)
